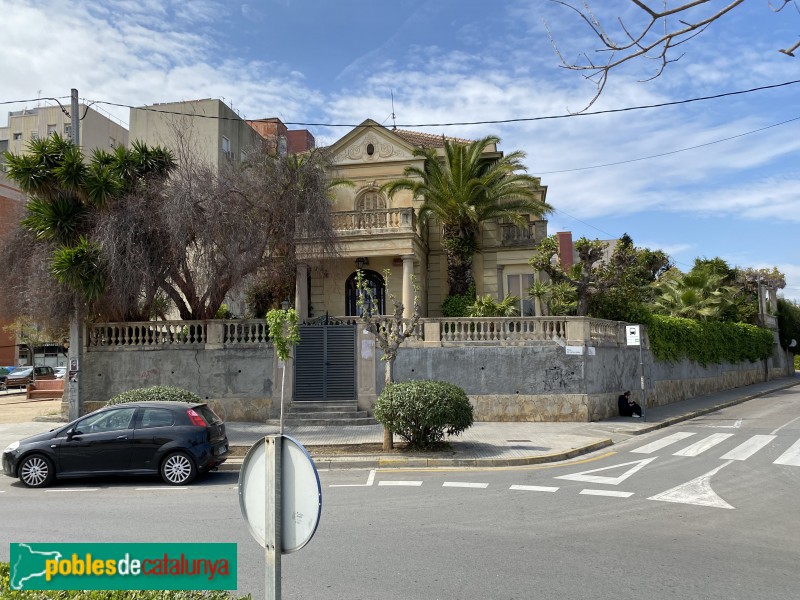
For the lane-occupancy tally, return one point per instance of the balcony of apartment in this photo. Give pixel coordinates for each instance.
(528, 234)
(377, 221)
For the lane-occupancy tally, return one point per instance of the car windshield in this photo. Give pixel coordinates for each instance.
(21, 371)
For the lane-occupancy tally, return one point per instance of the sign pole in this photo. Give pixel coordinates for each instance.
(644, 390)
(273, 517)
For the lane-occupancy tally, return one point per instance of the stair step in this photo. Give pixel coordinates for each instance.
(331, 414)
(322, 407)
(332, 422)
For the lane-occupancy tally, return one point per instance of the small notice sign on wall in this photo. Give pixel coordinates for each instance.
(632, 334)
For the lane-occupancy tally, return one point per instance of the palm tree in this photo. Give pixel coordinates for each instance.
(463, 189)
(699, 295)
(487, 306)
(65, 193)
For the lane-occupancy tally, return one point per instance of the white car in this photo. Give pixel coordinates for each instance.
(60, 372)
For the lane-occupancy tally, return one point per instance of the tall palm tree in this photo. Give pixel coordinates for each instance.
(462, 190)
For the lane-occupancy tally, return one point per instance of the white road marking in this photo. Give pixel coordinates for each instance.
(75, 490)
(584, 475)
(401, 483)
(663, 442)
(791, 456)
(703, 445)
(786, 424)
(697, 491)
(464, 484)
(370, 479)
(748, 448)
(161, 488)
(613, 493)
(534, 488)
(737, 424)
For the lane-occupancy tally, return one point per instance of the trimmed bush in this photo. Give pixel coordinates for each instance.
(5, 592)
(707, 342)
(424, 412)
(458, 305)
(156, 393)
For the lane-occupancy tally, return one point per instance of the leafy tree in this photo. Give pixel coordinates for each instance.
(789, 324)
(66, 196)
(462, 190)
(390, 331)
(596, 282)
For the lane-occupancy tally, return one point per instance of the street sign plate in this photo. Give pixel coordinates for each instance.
(632, 335)
(301, 494)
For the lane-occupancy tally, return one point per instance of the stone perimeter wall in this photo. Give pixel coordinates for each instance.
(574, 378)
(240, 384)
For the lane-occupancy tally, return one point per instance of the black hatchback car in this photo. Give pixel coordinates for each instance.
(176, 440)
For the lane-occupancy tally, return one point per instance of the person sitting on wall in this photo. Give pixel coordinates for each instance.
(628, 407)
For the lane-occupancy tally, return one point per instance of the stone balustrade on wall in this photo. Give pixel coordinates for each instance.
(391, 218)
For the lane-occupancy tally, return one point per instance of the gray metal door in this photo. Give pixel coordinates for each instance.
(325, 363)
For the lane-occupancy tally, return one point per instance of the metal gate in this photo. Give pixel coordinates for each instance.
(325, 363)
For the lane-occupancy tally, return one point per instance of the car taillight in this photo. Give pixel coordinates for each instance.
(195, 418)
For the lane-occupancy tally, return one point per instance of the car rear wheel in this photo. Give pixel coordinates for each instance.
(178, 469)
(36, 471)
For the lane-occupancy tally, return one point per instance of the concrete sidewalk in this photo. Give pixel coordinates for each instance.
(492, 444)
(483, 445)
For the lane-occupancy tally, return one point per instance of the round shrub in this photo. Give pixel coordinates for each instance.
(423, 412)
(156, 393)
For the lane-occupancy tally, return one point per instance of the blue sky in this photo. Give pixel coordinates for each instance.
(444, 61)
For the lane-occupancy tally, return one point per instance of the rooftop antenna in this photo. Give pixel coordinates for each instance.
(394, 123)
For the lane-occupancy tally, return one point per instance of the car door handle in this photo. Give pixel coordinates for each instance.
(122, 437)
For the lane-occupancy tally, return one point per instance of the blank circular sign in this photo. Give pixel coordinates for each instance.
(301, 494)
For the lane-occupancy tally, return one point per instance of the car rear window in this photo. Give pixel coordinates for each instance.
(209, 416)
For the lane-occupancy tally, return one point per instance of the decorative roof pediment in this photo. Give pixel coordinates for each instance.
(370, 142)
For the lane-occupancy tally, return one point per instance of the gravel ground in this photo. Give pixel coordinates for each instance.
(14, 408)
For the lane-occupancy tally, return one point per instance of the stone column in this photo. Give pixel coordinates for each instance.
(408, 288)
(500, 283)
(301, 292)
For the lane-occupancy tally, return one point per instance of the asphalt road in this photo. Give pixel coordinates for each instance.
(704, 509)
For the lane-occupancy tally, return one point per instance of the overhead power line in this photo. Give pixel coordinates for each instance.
(451, 124)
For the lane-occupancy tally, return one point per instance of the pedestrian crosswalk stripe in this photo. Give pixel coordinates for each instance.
(465, 484)
(534, 488)
(703, 445)
(748, 448)
(791, 456)
(663, 442)
(614, 493)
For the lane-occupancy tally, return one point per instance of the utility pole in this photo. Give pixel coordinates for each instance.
(76, 324)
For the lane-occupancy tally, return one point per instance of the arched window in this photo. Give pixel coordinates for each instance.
(376, 285)
(370, 200)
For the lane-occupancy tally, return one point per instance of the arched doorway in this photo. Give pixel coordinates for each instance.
(376, 285)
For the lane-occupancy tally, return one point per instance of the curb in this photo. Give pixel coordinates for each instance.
(706, 410)
(377, 462)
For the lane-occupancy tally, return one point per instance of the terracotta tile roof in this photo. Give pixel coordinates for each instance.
(426, 140)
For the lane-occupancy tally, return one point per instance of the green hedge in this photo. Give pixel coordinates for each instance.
(156, 393)
(707, 342)
(423, 412)
(7, 594)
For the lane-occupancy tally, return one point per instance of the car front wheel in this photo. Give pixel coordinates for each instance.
(36, 471)
(178, 469)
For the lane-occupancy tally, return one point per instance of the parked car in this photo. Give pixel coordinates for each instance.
(176, 440)
(60, 372)
(4, 371)
(21, 376)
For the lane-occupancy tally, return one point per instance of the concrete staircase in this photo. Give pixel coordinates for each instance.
(344, 413)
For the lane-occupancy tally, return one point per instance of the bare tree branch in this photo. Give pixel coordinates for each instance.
(644, 42)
